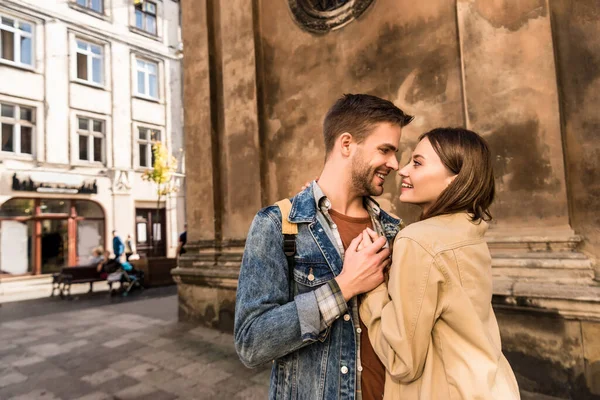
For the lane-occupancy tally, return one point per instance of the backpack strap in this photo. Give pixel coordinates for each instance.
(289, 231)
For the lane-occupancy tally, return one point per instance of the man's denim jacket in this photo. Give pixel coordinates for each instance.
(309, 362)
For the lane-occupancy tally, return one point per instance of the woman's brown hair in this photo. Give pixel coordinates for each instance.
(465, 154)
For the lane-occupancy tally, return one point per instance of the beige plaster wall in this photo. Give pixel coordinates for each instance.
(577, 42)
(404, 51)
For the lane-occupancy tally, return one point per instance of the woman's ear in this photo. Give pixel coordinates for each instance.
(450, 179)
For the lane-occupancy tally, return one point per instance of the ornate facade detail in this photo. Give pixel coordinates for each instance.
(322, 16)
(121, 181)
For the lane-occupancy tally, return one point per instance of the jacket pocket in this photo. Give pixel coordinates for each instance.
(310, 275)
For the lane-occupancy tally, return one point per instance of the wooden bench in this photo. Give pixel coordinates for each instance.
(71, 275)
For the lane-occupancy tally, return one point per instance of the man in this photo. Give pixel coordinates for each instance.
(316, 354)
(118, 245)
(182, 241)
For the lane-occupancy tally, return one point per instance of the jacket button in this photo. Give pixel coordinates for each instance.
(347, 317)
(344, 370)
(358, 330)
(360, 368)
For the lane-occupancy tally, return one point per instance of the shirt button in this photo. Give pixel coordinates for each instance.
(334, 226)
(358, 330)
(347, 317)
(360, 368)
(344, 370)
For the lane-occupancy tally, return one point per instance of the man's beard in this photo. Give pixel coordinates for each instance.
(362, 178)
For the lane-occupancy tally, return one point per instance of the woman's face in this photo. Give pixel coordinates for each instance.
(424, 177)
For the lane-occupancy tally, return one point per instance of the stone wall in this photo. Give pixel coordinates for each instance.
(523, 74)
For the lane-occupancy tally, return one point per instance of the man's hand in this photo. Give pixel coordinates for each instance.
(363, 270)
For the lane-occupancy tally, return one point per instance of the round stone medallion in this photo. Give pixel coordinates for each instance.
(321, 16)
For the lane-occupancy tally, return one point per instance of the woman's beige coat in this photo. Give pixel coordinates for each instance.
(433, 325)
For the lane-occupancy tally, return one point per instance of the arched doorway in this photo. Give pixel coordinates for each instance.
(40, 236)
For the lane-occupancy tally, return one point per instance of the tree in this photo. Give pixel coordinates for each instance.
(164, 166)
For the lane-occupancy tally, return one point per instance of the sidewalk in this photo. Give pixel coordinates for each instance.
(36, 287)
(132, 350)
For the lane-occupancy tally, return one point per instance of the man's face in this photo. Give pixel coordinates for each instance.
(375, 158)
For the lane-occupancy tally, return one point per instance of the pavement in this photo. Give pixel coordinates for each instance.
(97, 347)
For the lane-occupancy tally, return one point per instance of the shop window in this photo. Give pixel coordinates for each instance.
(91, 139)
(16, 246)
(16, 41)
(90, 62)
(17, 208)
(88, 209)
(51, 206)
(145, 16)
(146, 78)
(17, 127)
(90, 235)
(146, 137)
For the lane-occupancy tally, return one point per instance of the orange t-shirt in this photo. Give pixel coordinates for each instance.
(373, 373)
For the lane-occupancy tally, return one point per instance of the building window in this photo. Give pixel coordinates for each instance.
(145, 16)
(146, 137)
(94, 5)
(16, 41)
(89, 62)
(16, 125)
(91, 139)
(147, 78)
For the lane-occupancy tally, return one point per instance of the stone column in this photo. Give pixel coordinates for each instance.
(511, 97)
(223, 153)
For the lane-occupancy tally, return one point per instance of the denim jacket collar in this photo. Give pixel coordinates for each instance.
(306, 203)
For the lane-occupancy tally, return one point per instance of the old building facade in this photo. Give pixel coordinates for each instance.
(259, 76)
(86, 86)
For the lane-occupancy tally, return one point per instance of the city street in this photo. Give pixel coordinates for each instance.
(95, 347)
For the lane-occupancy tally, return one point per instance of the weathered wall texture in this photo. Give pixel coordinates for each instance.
(524, 74)
(577, 41)
(404, 51)
(511, 95)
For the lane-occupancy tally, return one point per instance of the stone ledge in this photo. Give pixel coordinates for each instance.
(571, 301)
(226, 278)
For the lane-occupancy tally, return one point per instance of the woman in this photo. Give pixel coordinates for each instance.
(432, 323)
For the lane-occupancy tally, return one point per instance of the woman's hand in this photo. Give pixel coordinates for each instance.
(368, 236)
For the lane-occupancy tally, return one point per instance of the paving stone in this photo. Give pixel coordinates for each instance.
(203, 372)
(125, 364)
(135, 392)
(7, 346)
(96, 396)
(182, 387)
(38, 394)
(154, 356)
(174, 363)
(159, 342)
(140, 370)
(47, 350)
(159, 376)
(37, 368)
(25, 361)
(262, 378)
(25, 340)
(115, 343)
(11, 379)
(256, 392)
(100, 377)
(118, 384)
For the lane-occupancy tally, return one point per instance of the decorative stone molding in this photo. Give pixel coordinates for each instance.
(121, 181)
(322, 16)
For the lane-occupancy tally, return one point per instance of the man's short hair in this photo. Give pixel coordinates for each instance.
(358, 114)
